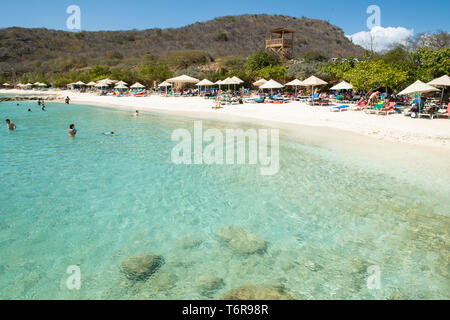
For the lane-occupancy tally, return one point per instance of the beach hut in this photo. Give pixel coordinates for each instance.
(441, 82)
(260, 82)
(313, 81)
(204, 83)
(271, 84)
(295, 83)
(165, 84)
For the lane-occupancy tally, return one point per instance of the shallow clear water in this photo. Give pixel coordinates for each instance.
(95, 200)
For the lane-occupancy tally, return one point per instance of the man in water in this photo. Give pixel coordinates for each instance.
(72, 131)
(29, 110)
(11, 126)
(43, 106)
(136, 114)
(109, 133)
(67, 100)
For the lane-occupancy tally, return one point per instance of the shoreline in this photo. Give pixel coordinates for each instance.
(393, 128)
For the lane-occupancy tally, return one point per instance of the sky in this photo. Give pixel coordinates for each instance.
(399, 18)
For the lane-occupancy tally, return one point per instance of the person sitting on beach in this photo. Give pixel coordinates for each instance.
(373, 98)
(11, 126)
(72, 131)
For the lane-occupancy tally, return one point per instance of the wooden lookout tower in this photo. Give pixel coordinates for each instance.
(281, 43)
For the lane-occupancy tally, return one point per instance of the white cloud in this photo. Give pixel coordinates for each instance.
(381, 37)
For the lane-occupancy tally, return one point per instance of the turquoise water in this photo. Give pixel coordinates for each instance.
(96, 200)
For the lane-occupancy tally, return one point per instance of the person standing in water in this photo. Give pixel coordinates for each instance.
(72, 131)
(43, 106)
(11, 126)
(67, 100)
(136, 113)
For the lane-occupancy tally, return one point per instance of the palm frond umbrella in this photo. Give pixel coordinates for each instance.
(229, 81)
(121, 87)
(183, 79)
(295, 83)
(260, 82)
(237, 79)
(272, 84)
(441, 82)
(204, 83)
(165, 84)
(219, 83)
(137, 85)
(342, 86)
(313, 81)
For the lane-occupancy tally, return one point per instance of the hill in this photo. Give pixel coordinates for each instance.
(41, 50)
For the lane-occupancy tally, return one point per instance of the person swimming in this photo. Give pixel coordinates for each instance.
(11, 126)
(72, 131)
(136, 114)
(29, 110)
(111, 133)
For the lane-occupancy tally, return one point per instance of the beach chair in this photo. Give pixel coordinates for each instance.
(340, 108)
(377, 108)
(390, 109)
(360, 106)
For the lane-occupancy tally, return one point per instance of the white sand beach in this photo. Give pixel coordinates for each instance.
(396, 127)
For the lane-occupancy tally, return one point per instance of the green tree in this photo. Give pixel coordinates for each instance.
(273, 72)
(260, 60)
(307, 69)
(148, 73)
(374, 74)
(429, 64)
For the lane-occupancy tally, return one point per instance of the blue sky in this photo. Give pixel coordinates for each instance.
(350, 15)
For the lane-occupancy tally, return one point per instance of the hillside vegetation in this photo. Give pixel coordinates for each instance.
(45, 51)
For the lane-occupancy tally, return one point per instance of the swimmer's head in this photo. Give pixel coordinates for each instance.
(72, 126)
(113, 132)
(8, 121)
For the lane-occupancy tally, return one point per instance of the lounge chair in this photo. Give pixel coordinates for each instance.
(377, 108)
(340, 108)
(389, 109)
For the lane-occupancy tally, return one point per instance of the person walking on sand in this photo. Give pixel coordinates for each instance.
(11, 126)
(72, 131)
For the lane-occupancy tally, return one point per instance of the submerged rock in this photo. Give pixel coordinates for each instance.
(141, 267)
(209, 284)
(242, 240)
(163, 281)
(189, 242)
(252, 292)
(313, 266)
